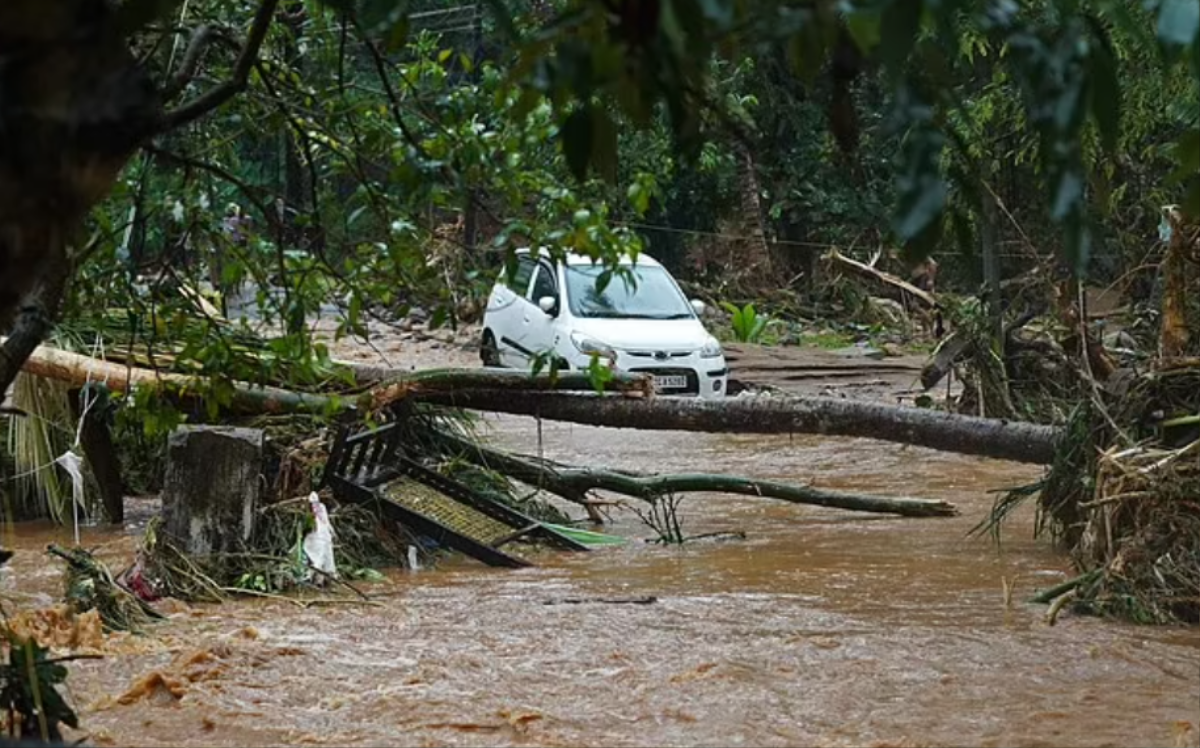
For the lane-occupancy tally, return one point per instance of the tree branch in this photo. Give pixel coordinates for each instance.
(191, 59)
(35, 317)
(574, 483)
(213, 98)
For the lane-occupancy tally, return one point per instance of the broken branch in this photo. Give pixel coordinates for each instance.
(215, 97)
(883, 277)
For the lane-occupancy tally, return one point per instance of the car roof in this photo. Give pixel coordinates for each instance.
(573, 258)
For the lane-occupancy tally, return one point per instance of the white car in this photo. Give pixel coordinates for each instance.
(646, 327)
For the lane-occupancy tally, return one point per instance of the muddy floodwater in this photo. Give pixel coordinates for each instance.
(820, 628)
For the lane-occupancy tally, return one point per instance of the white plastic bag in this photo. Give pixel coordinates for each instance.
(318, 544)
(72, 463)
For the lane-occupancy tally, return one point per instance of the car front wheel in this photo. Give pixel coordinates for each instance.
(489, 352)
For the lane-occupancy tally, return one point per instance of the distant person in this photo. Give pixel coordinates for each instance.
(235, 230)
(924, 275)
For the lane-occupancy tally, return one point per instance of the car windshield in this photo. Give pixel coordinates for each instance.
(650, 295)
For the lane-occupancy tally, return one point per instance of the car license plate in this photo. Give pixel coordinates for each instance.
(670, 382)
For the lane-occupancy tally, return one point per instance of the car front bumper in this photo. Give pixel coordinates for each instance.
(679, 375)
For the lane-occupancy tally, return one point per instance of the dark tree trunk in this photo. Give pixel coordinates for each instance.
(71, 114)
(101, 454)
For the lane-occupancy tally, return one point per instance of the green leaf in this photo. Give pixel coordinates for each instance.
(444, 55)
(602, 280)
(1178, 21)
(639, 196)
(576, 138)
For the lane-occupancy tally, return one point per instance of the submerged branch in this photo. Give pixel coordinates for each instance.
(574, 483)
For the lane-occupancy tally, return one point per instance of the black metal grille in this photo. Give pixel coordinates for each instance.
(693, 381)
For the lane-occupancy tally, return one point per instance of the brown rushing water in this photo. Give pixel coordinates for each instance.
(821, 628)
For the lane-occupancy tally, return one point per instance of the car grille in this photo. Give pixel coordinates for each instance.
(693, 381)
(659, 355)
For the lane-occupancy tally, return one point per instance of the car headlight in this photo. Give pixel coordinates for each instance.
(711, 349)
(588, 346)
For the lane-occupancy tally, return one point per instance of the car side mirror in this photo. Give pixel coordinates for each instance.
(549, 305)
(698, 305)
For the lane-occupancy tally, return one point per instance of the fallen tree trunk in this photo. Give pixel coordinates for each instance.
(77, 370)
(1006, 440)
(573, 483)
(519, 393)
(433, 381)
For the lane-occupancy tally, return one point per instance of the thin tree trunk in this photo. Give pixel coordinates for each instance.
(1016, 441)
(101, 453)
(573, 483)
(758, 255)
